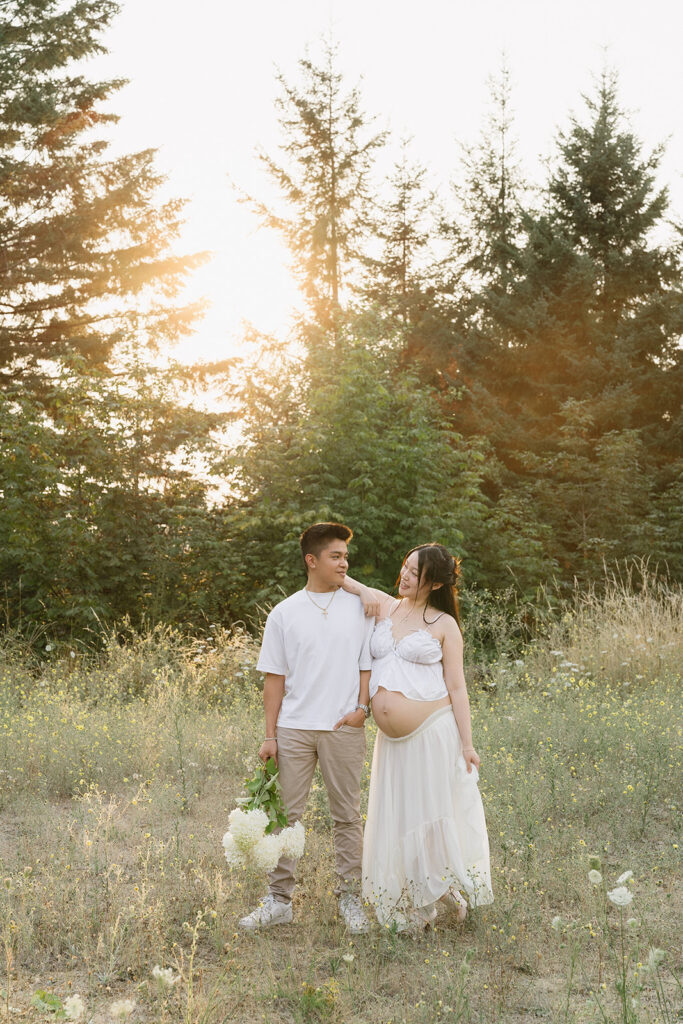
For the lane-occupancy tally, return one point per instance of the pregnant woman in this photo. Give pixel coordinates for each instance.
(425, 836)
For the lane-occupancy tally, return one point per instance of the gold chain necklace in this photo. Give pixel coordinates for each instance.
(319, 606)
(406, 616)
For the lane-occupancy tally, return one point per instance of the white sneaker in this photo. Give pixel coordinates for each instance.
(351, 910)
(269, 911)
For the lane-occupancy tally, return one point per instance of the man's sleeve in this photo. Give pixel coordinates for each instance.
(365, 658)
(272, 657)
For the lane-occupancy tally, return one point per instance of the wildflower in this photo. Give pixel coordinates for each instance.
(165, 976)
(632, 922)
(73, 1007)
(620, 896)
(122, 1009)
(233, 854)
(292, 841)
(594, 877)
(247, 827)
(266, 853)
(348, 958)
(556, 923)
(654, 958)
(623, 879)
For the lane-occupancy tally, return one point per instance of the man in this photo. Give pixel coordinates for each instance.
(316, 657)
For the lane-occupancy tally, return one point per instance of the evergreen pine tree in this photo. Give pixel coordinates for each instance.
(484, 238)
(329, 148)
(489, 193)
(397, 275)
(580, 331)
(97, 480)
(623, 355)
(84, 243)
(594, 311)
(401, 267)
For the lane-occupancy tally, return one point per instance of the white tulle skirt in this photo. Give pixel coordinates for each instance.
(425, 829)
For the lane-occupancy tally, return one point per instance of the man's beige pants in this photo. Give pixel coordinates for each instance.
(341, 755)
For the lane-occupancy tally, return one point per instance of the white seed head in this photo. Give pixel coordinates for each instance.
(265, 854)
(165, 976)
(620, 897)
(247, 827)
(73, 1007)
(293, 841)
(122, 1009)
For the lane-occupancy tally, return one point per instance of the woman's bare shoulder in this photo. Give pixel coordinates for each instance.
(450, 631)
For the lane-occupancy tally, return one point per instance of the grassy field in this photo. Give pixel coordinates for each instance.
(117, 775)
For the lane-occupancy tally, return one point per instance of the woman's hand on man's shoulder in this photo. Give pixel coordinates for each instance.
(371, 601)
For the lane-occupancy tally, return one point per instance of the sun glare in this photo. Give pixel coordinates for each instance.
(204, 96)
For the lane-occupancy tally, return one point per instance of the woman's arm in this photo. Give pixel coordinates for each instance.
(375, 602)
(454, 676)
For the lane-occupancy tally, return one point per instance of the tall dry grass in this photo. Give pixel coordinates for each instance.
(626, 629)
(118, 771)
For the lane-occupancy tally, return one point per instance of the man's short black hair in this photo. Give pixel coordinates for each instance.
(318, 536)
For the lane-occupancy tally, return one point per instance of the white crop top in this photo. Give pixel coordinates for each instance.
(412, 665)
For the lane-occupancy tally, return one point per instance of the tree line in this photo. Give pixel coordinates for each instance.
(497, 368)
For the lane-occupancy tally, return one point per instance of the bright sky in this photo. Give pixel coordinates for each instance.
(202, 88)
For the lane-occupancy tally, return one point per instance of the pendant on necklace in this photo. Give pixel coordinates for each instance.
(320, 607)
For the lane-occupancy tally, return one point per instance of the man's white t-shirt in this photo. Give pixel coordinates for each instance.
(319, 655)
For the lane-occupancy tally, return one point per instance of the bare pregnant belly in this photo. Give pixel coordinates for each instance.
(397, 715)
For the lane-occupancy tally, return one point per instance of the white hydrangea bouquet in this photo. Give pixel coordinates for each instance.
(249, 841)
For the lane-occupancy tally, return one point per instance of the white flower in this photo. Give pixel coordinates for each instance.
(623, 879)
(122, 1009)
(632, 922)
(348, 958)
(654, 958)
(594, 877)
(556, 923)
(266, 853)
(620, 897)
(73, 1007)
(293, 841)
(247, 827)
(165, 976)
(233, 854)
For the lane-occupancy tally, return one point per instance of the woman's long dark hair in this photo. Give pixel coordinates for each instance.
(435, 565)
